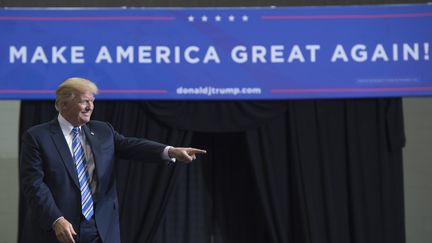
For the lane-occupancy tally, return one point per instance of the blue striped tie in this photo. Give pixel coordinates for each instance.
(83, 177)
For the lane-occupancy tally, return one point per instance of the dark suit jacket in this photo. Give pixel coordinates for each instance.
(49, 180)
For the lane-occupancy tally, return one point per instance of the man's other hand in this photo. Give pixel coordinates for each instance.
(64, 231)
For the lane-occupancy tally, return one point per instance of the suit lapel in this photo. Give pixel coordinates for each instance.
(95, 147)
(63, 150)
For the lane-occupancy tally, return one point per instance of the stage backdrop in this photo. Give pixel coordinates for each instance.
(219, 53)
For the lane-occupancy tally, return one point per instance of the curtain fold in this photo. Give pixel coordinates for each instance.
(215, 116)
(268, 154)
(312, 171)
(348, 170)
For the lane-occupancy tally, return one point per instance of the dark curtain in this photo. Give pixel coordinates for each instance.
(312, 171)
(288, 171)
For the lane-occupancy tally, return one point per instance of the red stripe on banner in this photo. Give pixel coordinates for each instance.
(367, 16)
(43, 91)
(26, 91)
(88, 18)
(351, 90)
(155, 91)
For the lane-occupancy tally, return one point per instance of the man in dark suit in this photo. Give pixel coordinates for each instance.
(67, 170)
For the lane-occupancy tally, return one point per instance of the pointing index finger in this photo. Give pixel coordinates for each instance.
(199, 151)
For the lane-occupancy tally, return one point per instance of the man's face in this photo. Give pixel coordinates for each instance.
(79, 110)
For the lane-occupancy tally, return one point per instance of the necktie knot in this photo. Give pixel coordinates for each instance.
(75, 130)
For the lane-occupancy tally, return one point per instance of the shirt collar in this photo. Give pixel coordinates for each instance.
(65, 126)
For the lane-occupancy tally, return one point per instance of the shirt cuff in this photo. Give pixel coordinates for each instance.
(165, 155)
(55, 221)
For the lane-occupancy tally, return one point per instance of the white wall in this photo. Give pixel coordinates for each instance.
(9, 117)
(418, 169)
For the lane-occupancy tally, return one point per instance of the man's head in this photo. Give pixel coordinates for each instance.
(74, 100)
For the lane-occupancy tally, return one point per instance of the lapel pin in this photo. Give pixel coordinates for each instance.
(92, 133)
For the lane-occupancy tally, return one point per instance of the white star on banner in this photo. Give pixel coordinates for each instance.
(218, 18)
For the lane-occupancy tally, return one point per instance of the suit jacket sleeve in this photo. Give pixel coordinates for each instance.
(137, 148)
(36, 192)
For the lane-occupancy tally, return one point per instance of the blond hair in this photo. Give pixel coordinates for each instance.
(72, 87)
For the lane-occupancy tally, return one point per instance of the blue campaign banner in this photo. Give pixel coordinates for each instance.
(219, 53)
